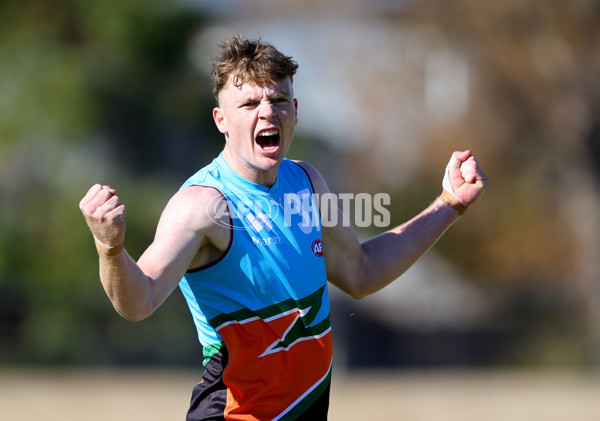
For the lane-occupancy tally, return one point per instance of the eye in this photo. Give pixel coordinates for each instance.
(249, 104)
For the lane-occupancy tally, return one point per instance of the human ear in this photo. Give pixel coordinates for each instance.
(295, 111)
(219, 118)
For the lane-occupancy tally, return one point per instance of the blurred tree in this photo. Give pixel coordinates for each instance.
(96, 91)
(535, 236)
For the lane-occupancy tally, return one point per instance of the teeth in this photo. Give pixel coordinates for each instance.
(268, 133)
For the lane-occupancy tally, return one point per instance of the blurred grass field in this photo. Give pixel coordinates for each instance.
(161, 394)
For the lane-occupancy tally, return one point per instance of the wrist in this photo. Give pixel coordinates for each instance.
(108, 251)
(453, 202)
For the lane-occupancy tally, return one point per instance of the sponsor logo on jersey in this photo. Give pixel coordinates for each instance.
(317, 247)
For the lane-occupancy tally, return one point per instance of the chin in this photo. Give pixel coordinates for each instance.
(269, 163)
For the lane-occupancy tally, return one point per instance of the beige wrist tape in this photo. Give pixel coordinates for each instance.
(108, 251)
(453, 202)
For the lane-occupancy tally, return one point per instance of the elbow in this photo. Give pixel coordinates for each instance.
(356, 291)
(358, 294)
(134, 318)
(133, 308)
(354, 284)
(133, 315)
(358, 287)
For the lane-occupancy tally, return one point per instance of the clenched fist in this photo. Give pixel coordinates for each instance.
(105, 215)
(464, 178)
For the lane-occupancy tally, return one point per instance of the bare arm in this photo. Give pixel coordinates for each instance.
(136, 289)
(361, 269)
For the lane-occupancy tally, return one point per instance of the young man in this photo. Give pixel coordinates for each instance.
(235, 239)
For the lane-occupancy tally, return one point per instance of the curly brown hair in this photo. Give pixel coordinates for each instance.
(252, 61)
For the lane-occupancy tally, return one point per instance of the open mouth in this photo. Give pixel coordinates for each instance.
(268, 139)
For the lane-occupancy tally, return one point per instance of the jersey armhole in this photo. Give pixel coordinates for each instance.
(226, 251)
(312, 187)
(307, 176)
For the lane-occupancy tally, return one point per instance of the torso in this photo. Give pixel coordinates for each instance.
(258, 294)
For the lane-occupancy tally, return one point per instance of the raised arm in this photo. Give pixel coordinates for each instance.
(136, 289)
(361, 269)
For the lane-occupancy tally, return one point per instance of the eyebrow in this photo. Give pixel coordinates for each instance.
(285, 95)
(257, 98)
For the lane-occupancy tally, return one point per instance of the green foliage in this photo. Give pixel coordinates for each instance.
(95, 91)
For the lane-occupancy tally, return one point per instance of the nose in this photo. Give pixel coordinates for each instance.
(266, 110)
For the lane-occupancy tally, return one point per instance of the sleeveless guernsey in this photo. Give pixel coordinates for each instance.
(262, 310)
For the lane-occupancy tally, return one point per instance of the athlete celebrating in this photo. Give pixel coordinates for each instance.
(255, 277)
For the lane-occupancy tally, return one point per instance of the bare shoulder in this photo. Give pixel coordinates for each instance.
(193, 204)
(187, 235)
(198, 209)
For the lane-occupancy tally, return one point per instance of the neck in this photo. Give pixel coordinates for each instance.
(264, 177)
